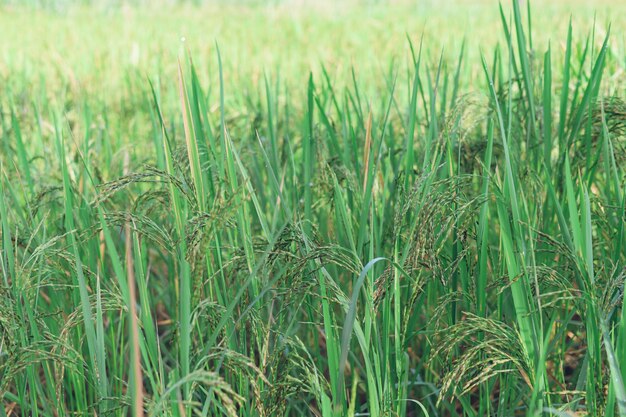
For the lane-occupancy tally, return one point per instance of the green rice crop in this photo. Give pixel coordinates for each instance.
(367, 209)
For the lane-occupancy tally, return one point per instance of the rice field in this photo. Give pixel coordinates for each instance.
(296, 208)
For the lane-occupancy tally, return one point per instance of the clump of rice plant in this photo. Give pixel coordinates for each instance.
(445, 240)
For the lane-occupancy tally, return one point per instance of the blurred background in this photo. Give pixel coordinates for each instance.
(105, 51)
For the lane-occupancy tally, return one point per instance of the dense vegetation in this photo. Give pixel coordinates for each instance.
(443, 238)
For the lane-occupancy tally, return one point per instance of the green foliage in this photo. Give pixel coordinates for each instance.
(445, 238)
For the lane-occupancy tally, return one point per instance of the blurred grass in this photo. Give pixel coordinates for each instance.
(97, 48)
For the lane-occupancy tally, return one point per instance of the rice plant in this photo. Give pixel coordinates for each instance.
(443, 238)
